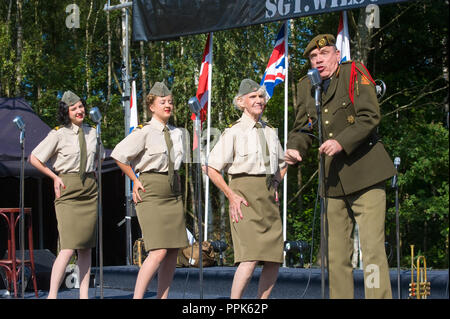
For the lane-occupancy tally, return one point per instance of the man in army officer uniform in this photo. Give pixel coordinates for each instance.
(356, 165)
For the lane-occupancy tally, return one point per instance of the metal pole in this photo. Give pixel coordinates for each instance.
(394, 185)
(99, 205)
(126, 106)
(208, 134)
(198, 195)
(323, 233)
(22, 211)
(286, 97)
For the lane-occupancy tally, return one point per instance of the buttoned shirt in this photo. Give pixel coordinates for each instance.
(61, 146)
(238, 150)
(145, 148)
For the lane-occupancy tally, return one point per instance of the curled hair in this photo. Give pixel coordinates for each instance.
(63, 112)
(149, 100)
(237, 100)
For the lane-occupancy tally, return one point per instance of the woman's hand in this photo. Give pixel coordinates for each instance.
(235, 206)
(136, 187)
(57, 184)
(275, 184)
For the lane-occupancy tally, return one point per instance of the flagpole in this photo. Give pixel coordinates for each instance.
(208, 132)
(286, 98)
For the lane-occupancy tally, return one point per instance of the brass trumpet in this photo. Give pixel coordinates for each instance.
(421, 288)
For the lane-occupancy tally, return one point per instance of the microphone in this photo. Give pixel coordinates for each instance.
(380, 88)
(95, 115)
(397, 162)
(19, 122)
(394, 178)
(314, 77)
(194, 105)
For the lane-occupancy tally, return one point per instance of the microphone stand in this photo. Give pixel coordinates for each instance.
(397, 226)
(99, 205)
(22, 211)
(198, 195)
(323, 223)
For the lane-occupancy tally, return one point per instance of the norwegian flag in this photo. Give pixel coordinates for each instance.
(276, 68)
(343, 38)
(202, 89)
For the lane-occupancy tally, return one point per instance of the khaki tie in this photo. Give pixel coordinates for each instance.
(265, 153)
(83, 153)
(171, 163)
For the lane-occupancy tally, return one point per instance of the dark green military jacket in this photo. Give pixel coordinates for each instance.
(363, 162)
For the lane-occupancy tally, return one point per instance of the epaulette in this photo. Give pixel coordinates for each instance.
(302, 78)
(138, 127)
(233, 123)
(267, 124)
(56, 128)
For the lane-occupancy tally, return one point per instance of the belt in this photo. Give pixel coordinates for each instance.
(76, 174)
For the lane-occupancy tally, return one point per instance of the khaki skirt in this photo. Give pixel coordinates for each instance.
(76, 212)
(160, 214)
(259, 235)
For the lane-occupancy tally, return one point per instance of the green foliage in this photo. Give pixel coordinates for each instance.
(408, 52)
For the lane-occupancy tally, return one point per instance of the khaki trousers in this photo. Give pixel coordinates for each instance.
(367, 208)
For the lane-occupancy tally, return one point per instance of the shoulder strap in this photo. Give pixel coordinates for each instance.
(353, 75)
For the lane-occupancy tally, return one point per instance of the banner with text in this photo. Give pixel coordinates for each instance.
(167, 19)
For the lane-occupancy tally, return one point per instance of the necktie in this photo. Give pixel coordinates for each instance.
(169, 145)
(83, 153)
(265, 153)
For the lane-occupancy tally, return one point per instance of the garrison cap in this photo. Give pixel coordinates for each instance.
(70, 98)
(248, 86)
(160, 89)
(320, 41)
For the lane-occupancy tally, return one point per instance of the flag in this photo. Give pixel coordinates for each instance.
(276, 68)
(343, 38)
(202, 89)
(133, 108)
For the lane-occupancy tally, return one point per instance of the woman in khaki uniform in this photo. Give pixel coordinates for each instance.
(72, 150)
(155, 151)
(250, 152)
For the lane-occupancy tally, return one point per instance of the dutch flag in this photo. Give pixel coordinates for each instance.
(276, 68)
(343, 38)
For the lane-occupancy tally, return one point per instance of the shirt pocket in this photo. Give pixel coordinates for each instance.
(246, 147)
(156, 151)
(344, 114)
(68, 151)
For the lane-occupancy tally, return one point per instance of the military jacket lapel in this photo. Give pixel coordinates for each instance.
(331, 90)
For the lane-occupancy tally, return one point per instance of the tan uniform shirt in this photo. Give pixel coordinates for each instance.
(61, 146)
(145, 148)
(238, 150)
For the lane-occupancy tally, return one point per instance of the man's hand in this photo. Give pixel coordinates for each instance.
(292, 156)
(330, 147)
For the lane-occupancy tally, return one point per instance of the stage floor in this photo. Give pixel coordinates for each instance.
(292, 283)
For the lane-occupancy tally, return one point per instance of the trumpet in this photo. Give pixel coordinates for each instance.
(420, 288)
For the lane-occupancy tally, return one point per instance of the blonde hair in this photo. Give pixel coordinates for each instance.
(150, 98)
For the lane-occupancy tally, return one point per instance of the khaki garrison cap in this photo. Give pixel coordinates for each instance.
(70, 98)
(320, 41)
(160, 89)
(248, 86)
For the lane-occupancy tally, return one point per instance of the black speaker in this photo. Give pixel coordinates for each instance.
(43, 262)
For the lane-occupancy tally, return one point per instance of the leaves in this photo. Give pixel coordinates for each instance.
(408, 53)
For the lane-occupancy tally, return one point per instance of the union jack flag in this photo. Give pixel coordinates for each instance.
(276, 68)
